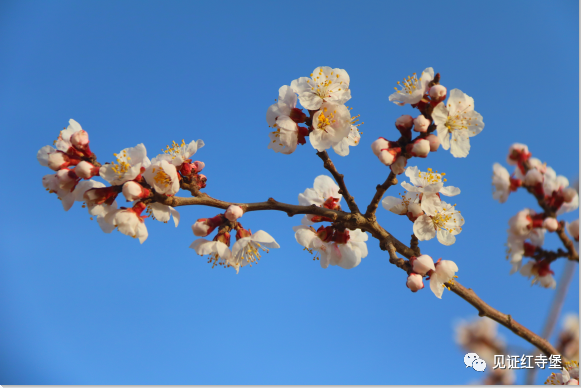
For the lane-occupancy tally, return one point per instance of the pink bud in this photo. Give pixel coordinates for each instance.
(569, 194)
(438, 93)
(67, 179)
(414, 211)
(199, 166)
(58, 160)
(386, 157)
(533, 177)
(398, 167)
(420, 148)
(415, 282)
(421, 123)
(422, 264)
(404, 123)
(201, 228)
(133, 191)
(86, 170)
(233, 212)
(551, 224)
(434, 142)
(80, 139)
(378, 145)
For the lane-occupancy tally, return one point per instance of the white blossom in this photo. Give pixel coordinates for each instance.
(325, 84)
(163, 212)
(400, 205)
(501, 182)
(342, 148)
(445, 273)
(247, 249)
(457, 120)
(444, 221)
(128, 222)
(347, 255)
(63, 142)
(428, 184)
(412, 89)
(422, 265)
(331, 124)
(285, 137)
(178, 154)
(325, 193)
(218, 253)
(163, 177)
(540, 272)
(128, 166)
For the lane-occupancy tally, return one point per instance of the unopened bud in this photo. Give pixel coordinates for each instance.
(80, 139)
(533, 177)
(379, 145)
(438, 93)
(133, 191)
(422, 264)
(404, 123)
(233, 212)
(434, 142)
(421, 123)
(386, 157)
(569, 194)
(420, 148)
(414, 282)
(58, 160)
(201, 228)
(199, 166)
(551, 224)
(86, 170)
(398, 167)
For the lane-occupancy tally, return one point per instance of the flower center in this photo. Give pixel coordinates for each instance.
(122, 165)
(409, 85)
(431, 177)
(161, 178)
(216, 260)
(459, 121)
(251, 252)
(175, 149)
(326, 120)
(322, 84)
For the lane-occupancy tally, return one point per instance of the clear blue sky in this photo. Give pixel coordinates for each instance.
(82, 307)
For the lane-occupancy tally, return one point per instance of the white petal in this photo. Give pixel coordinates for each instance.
(424, 228)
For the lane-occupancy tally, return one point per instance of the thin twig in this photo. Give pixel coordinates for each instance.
(380, 190)
(328, 164)
(573, 254)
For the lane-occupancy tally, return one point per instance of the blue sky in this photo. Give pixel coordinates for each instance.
(82, 307)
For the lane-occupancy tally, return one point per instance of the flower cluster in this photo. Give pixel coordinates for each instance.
(527, 228)
(140, 179)
(247, 248)
(421, 203)
(329, 123)
(455, 121)
(443, 271)
(329, 244)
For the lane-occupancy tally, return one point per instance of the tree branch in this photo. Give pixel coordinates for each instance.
(484, 310)
(381, 189)
(328, 164)
(573, 254)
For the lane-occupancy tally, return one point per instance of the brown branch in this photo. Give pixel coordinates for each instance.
(572, 253)
(381, 189)
(328, 164)
(367, 223)
(484, 310)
